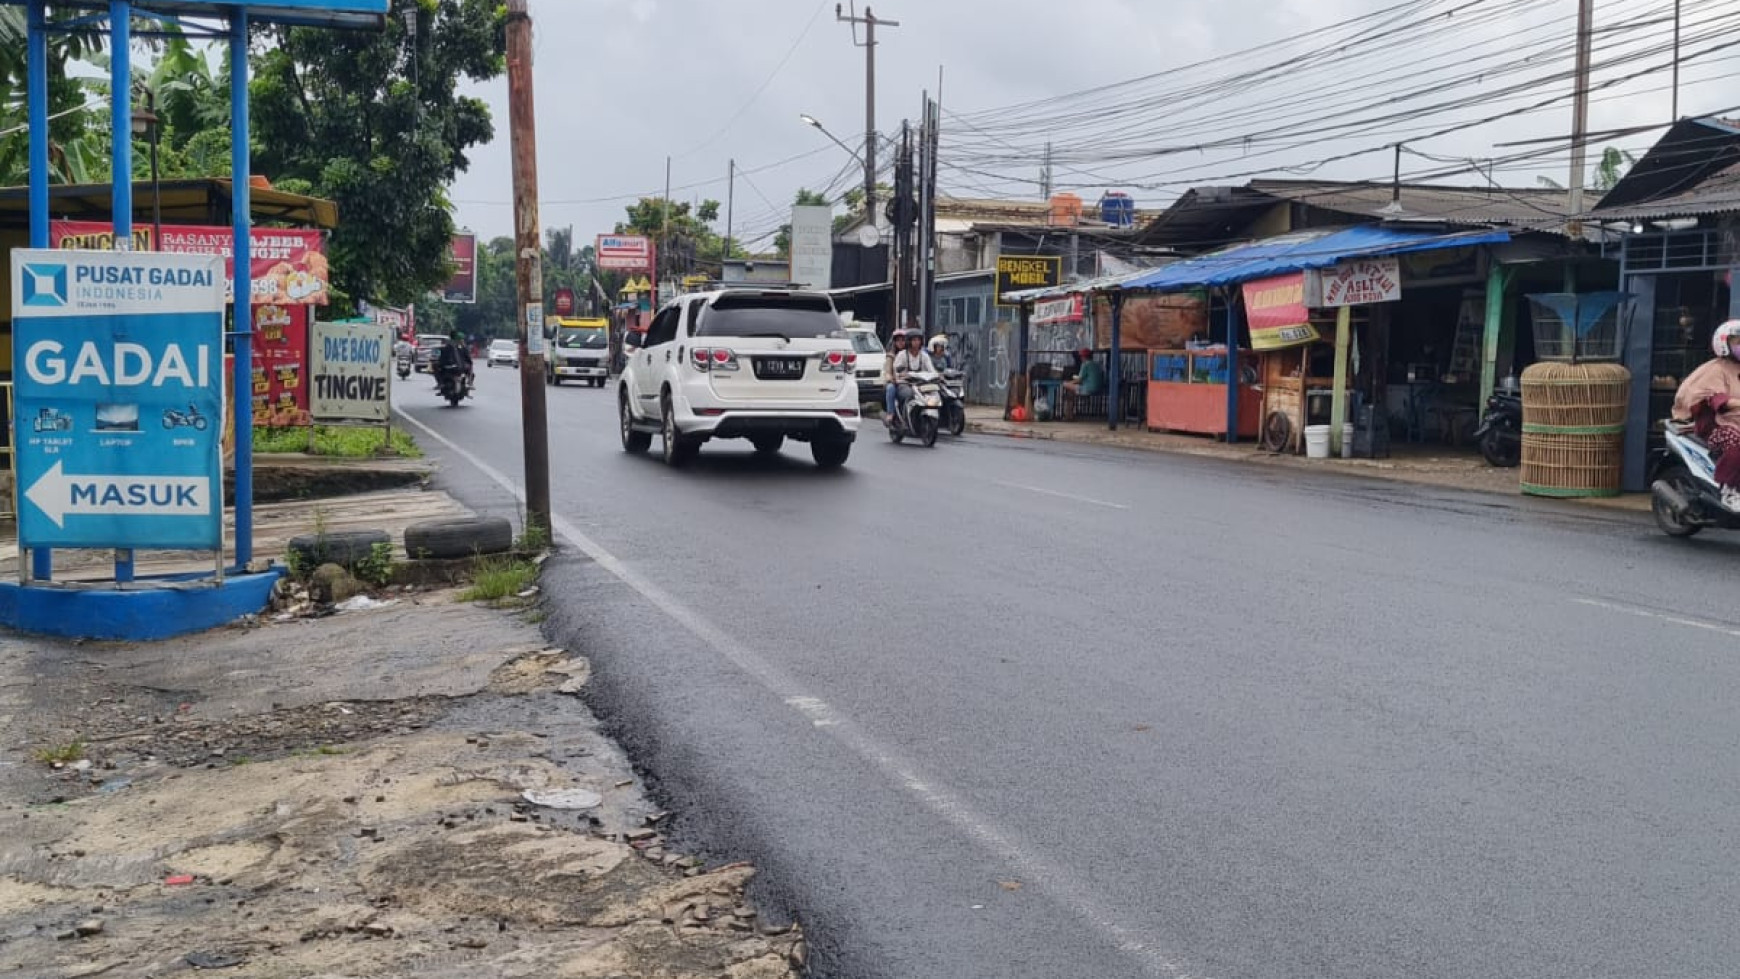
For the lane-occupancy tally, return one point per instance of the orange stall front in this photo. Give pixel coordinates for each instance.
(1187, 392)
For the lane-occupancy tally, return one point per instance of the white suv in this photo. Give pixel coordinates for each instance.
(763, 365)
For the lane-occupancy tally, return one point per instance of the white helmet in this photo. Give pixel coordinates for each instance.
(1722, 341)
(939, 341)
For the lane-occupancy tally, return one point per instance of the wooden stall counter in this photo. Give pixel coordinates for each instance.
(1187, 393)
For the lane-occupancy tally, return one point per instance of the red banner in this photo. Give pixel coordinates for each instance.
(564, 302)
(288, 264)
(1276, 311)
(462, 288)
(280, 388)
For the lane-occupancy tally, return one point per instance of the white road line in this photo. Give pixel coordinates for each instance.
(1062, 496)
(1644, 613)
(1075, 894)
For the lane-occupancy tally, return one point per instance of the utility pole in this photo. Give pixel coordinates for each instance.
(927, 215)
(1675, 115)
(902, 214)
(528, 270)
(870, 22)
(663, 259)
(1045, 175)
(1580, 112)
(730, 204)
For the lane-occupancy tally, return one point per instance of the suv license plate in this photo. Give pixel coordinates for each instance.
(774, 368)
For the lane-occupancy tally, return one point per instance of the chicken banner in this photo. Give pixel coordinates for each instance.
(288, 265)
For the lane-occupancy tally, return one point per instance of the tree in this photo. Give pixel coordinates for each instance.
(375, 122)
(684, 233)
(75, 121)
(1604, 175)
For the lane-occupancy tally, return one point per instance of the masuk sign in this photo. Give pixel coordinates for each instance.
(118, 399)
(351, 369)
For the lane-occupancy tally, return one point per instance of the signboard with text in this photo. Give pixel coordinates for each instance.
(350, 368)
(624, 253)
(1276, 312)
(812, 246)
(1066, 310)
(1358, 282)
(462, 288)
(118, 399)
(288, 264)
(280, 369)
(1018, 272)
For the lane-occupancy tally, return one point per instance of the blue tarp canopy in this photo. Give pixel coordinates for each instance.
(356, 14)
(1299, 251)
(1315, 249)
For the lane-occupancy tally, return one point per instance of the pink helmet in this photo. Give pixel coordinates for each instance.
(1722, 341)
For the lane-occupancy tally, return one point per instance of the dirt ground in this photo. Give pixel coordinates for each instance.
(344, 796)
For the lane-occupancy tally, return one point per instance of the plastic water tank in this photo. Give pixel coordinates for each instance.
(1118, 210)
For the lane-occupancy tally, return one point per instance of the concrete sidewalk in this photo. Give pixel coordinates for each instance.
(1427, 465)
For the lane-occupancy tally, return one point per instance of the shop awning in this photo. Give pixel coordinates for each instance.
(1299, 251)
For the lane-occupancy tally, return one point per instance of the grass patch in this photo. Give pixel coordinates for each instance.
(342, 443)
(322, 751)
(62, 754)
(500, 578)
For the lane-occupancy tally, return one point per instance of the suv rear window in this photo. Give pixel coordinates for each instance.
(771, 315)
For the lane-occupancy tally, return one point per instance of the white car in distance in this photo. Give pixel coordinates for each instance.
(505, 352)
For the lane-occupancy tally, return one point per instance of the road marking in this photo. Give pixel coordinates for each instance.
(1062, 496)
(1073, 893)
(1643, 613)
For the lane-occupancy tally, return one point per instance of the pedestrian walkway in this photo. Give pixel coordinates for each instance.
(1426, 465)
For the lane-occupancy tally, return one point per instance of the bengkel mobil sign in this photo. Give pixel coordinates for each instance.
(1357, 282)
(625, 253)
(1276, 312)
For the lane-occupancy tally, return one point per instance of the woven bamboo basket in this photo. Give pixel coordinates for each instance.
(1573, 442)
(1569, 398)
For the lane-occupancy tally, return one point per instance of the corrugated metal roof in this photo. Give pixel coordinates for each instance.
(1532, 207)
(1717, 194)
(1277, 256)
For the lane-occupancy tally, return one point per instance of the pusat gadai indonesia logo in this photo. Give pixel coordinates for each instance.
(44, 284)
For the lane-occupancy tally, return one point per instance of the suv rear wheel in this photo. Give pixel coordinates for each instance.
(830, 453)
(632, 441)
(679, 450)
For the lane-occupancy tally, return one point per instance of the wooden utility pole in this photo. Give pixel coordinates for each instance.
(1580, 112)
(528, 270)
(730, 205)
(870, 22)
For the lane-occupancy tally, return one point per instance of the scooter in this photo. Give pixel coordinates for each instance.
(919, 415)
(191, 418)
(405, 366)
(454, 385)
(1683, 493)
(1500, 433)
(954, 401)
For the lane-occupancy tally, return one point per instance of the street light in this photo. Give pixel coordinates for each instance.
(810, 120)
(145, 124)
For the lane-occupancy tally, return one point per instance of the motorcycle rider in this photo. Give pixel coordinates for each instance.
(910, 361)
(1709, 397)
(896, 345)
(939, 352)
(452, 358)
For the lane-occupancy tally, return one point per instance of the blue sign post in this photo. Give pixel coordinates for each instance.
(119, 398)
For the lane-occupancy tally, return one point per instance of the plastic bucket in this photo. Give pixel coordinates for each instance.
(1347, 440)
(1317, 441)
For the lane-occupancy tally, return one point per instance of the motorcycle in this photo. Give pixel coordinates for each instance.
(919, 414)
(405, 365)
(454, 385)
(191, 418)
(954, 401)
(1500, 433)
(1683, 494)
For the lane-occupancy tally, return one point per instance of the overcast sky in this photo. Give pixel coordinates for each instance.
(621, 84)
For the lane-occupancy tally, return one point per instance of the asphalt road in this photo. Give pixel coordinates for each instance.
(1009, 709)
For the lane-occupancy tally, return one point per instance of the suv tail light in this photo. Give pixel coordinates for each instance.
(706, 359)
(839, 362)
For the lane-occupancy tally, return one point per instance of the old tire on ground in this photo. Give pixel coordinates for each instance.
(346, 548)
(444, 540)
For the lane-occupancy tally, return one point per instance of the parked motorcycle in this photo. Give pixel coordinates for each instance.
(920, 413)
(191, 418)
(954, 401)
(1683, 492)
(1500, 433)
(454, 385)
